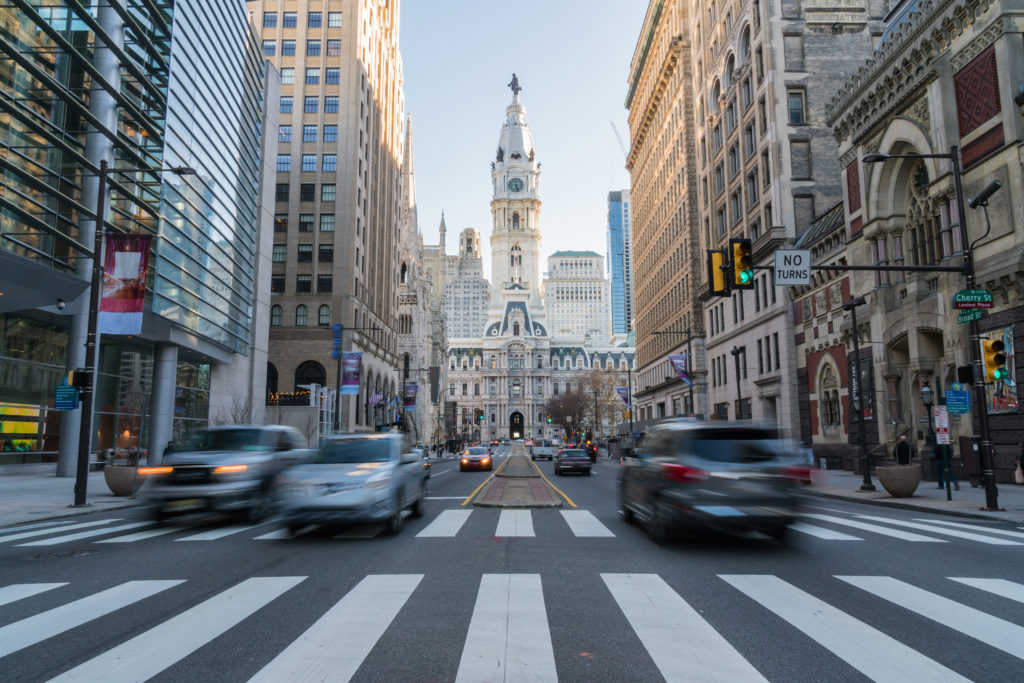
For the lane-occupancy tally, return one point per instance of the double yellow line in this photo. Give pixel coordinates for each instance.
(567, 498)
(495, 473)
(477, 489)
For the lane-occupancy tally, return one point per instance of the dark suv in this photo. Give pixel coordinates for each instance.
(699, 476)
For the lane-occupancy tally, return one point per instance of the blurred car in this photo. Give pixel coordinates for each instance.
(572, 460)
(494, 442)
(528, 442)
(476, 458)
(355, 478)
(591, 450)
(697, 477)
(230, 468)
(542, 448)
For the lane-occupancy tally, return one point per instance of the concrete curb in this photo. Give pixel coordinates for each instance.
(479, 498)
(913, 507)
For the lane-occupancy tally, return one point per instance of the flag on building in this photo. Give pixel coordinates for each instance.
(410, 396)
(124, 284)
(351, 364)
(623, 394)
(680, 363)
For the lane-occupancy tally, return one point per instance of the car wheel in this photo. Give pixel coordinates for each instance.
(396, 521)
(261, 508)
(779, 533)
(419, 508)
(295, 527)
(159, 515)
(627, 513)
(558, 471)
(656, 528)
(587, 473)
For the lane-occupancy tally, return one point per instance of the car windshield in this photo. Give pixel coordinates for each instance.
(476, 451)
(229, 440)
(343, 451)
(735, 445)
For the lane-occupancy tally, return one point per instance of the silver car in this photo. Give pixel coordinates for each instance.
(230, 468)
(355, 478)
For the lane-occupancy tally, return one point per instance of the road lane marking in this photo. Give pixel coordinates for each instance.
(444, 497)
(446, 525)
(477, 489)
(885, 531)
(58, 530)
(567, 498)
(221, 532)
(821, 532)
(140, 535)
(20, 591)
(975, 527)
(335, 646)
(973, 623)
(275, 535)
(26, 527)
(508, 637)
(1001, 587)
(585, 525)
(86, 534)
(866, 649)
(682, 644)
(514, 523)
(149, 653)
(35, 629)
(944, 532)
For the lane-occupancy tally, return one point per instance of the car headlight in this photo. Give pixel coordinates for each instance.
(381, 480)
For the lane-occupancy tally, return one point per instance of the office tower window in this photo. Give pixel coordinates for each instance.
(270, 20)
(323, 317)
(333, 48)
(300, 316)
(334, 20)
(276, 315)
(291, 20)
(309, 133)
(315, 20)
(312, 76)
(284, 162)
(281, 221)
(269, 47)
(307, 192)
(330, 162)
(305, 222)
(286, 105)
(280, 254)
(331, 104)
(327, 192)
(330, 133)
(325, 253)
(277, 284)
(281, 192)
(332, 76)
(311, 104)
(287, 48)
(324, 284)
(287, 75)
(308, 162)
(284, 133)
(305, 253)
(303, 284)
(312, 48)
(327, 221)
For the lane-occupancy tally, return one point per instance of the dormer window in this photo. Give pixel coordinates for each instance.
(515, 329)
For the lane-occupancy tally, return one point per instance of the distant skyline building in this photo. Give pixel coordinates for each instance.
(466, 290)
(576, 296)
(620, 261)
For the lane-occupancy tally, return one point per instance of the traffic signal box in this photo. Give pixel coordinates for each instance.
(994, 360)
(742, 264)
(716, 274)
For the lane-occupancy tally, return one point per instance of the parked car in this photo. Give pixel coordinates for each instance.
(230, 468)
(572, 460)
(698, 476)
(355, 478)
(542, 448)
(476, 458)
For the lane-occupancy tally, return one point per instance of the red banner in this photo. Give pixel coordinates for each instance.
(124, 283)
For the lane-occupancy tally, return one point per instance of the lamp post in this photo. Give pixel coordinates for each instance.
(338, 353)
(967, 268)
(858, 399)
(736, 353)
(95, 286)
(928, 399)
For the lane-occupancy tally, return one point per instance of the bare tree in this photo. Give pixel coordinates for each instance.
(568, 410)
(309, 425)
(239, 412)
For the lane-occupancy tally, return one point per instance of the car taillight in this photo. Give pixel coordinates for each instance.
(683, 474)
(797, 474)
(155, 470)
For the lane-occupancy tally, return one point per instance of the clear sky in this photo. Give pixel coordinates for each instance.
(572, 58)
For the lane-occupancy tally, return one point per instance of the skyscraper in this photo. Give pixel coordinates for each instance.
(466, 290)
(576, 296)
(620, 261)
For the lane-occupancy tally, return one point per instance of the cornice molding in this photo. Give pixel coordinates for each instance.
(668, 66)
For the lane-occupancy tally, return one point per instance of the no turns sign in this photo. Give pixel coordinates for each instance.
(793, 267)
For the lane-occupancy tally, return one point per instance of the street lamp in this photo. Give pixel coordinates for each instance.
(95, 286)
(736, 353)
(858, 400)
(967, 268)
(689, 354)
(928, 399)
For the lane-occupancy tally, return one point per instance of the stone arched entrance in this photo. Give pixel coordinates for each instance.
(516, 427)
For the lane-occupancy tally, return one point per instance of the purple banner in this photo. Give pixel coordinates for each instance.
(351, 363)
(680, 363)
(623, 394)
(410, 396)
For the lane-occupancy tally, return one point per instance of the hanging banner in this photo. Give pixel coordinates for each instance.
(351, 362)
(124, 284)
(680, 363)
(410, 396)
(624, 394)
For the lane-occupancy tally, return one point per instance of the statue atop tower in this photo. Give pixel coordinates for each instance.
(514, 85)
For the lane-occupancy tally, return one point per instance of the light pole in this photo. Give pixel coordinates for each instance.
(95, 287)
(736, 353)
(967, 268)
(858, 400)
(339, 329)
(928, 399)
(689, 356)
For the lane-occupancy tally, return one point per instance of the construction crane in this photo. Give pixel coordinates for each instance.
(622, 145)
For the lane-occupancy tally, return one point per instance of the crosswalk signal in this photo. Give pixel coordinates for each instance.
(994, 359)
(717, 282)
(742, 264)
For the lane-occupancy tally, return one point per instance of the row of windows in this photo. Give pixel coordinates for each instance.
(306, 222)
(307, 192)
(323, 316)
(332, 75)
(313, 48)
(330, 162)
(303, 284)
(291, 20)
(310, 104)
(309, 133)
(325, 253)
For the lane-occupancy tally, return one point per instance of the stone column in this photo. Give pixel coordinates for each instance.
(161, 421)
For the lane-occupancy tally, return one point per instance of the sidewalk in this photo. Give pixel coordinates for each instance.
(967, 502)
(31, 497)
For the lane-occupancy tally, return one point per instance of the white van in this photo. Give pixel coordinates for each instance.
(542, 448)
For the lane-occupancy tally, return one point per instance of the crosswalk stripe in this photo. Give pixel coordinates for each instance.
(446, 525)
(868, 650)
(514, 523)
(584, 524)
(821, 532)
(274, 535)
(944, 532)
(997, 632)
(682, 644)
(214, 534)
(895, 533)
(58, 530)
(975, 527)
(335, 646)
(149, 653)
(26, 527)
(19, 591)
(35, 629)
(1001, 587)
(140, 535)
(508, 637)
(86, 534)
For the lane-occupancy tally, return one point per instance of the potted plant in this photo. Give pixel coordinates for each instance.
(121, 471)
(901, 479)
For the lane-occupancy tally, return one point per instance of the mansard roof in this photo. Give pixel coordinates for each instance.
(501, 328)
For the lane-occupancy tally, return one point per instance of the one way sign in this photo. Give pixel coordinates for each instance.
(793, 267)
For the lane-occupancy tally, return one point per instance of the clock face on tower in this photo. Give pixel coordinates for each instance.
(515, 185)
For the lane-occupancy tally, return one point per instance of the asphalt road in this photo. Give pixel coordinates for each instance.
(576, 595)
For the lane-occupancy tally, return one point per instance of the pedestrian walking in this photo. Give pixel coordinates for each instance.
(1018, 475)
(944, 454)
(903, 451)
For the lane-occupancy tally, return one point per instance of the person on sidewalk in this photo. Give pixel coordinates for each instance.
(944, 454)
(903, 451)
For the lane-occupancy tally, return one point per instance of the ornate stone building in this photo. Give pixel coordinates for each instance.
(467, 293)
(946, 75)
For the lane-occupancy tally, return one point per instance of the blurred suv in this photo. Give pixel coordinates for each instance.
(355, 478)
(230, 468)
(692, 476)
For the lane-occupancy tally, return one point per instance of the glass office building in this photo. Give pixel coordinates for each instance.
(145, 84)
(620, 261)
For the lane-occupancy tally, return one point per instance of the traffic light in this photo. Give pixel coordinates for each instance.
(742, 264)
(717, 282)
(481, 416)
(549, 419)
(994, 359)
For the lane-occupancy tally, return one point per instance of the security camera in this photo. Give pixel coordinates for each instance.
(982, 198)
(61, 304)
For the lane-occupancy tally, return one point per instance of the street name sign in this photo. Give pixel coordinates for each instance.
(970, 315)
(793, 267)
(65, 398)
(972, 298)
(958, 399)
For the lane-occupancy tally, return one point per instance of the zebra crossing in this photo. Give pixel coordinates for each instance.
(828, 526)
(508, 633)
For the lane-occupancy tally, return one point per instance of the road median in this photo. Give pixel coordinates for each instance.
(518, 483)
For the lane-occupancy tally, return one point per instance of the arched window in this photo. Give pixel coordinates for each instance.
(405, 274)
(276, 315)
(323, 316)
(515, 221)
(730, 68)
(745, 45)
(310, 372)
(716, 93)
(300, 315)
